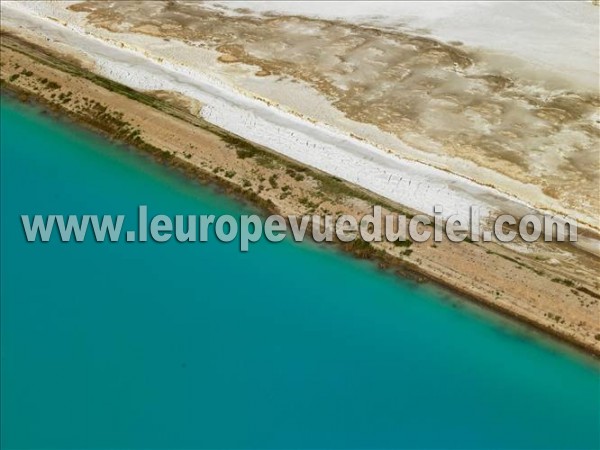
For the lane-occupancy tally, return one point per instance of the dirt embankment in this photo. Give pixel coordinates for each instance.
(555, 288)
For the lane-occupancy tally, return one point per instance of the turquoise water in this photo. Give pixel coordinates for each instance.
(173, 345)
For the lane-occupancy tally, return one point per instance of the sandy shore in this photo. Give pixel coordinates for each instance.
(552, 287)
(403, 174)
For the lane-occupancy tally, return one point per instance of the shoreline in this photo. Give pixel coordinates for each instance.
(382, 262)
(404, 267)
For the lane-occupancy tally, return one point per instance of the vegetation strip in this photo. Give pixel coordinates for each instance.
(111, 125)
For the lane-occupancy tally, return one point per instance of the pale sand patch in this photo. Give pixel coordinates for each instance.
(420, 187)
(524, 135)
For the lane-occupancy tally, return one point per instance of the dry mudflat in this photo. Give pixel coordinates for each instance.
(485, 116)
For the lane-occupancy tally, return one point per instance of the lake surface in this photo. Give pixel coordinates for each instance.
(147, 345)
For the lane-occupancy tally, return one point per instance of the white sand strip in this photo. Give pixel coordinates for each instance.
(409, 183)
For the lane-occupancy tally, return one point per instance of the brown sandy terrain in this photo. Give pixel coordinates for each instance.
(553, 287)
(442, 98)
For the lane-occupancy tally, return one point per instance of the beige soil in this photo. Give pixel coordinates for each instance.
(438, 97)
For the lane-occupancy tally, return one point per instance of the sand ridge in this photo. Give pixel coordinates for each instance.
(550, 286)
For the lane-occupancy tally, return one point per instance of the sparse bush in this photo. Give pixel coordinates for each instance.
(273, 181)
